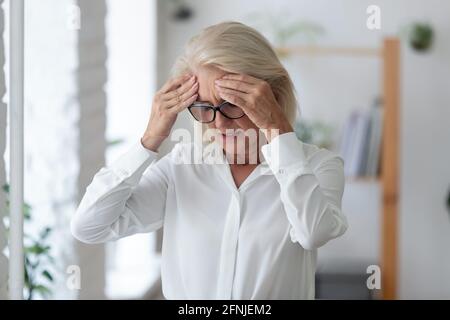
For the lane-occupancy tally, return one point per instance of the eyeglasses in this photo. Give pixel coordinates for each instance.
(206, 113)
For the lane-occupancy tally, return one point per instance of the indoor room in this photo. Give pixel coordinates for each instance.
(357, 91)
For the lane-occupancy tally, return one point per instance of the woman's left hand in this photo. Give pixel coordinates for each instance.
(255, 97)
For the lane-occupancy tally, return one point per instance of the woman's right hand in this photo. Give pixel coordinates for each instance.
(175, 96)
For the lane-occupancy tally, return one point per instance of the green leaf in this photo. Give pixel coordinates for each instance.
(27, 277)
(37, 249)
(47, 274)
(27, 211)
(43, 290)
(114, 142)
(45, 233)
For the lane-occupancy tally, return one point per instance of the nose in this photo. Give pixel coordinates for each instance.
(222, 122)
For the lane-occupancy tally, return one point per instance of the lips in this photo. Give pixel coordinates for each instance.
(232, 133)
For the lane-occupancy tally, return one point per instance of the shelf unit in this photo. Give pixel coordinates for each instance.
(389, 54)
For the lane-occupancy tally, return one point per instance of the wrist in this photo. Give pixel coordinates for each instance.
(274, 132)
(152, 143)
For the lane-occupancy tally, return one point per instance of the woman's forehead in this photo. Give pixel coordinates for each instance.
(207, 91)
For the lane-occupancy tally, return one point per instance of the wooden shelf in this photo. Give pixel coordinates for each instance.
(389, 54)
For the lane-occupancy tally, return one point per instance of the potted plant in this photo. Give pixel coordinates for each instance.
(38, 256)
(420, 36)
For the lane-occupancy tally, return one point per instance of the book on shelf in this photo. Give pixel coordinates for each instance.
(361, 142)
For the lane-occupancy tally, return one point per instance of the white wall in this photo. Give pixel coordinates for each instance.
(329, 88)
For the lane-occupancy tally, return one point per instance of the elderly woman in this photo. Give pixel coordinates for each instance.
(231, 230)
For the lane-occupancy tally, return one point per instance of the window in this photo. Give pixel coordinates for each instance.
(132, 264)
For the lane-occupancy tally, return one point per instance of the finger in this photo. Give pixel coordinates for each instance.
(174, 83)
(241, 77)
(235, 97)
(181, 98)
(180, 107)
(244, 96)
(186, 86)
(236, 85)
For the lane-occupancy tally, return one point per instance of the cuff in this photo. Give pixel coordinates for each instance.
(284, 151)
(134, 162)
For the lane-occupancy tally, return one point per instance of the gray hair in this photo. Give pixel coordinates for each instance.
(237, 48)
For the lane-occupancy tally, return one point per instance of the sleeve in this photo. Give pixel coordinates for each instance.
(311, 196)
(125, 198)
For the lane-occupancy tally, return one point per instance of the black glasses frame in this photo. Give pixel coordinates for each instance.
(214, 108)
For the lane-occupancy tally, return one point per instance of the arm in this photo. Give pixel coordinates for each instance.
(311, 195)
(124, 198)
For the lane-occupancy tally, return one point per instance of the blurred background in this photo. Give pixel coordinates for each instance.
(372, 79)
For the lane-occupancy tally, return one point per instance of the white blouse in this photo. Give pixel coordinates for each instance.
(258, 241)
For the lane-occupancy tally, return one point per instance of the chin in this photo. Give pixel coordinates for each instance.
(236, 154)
